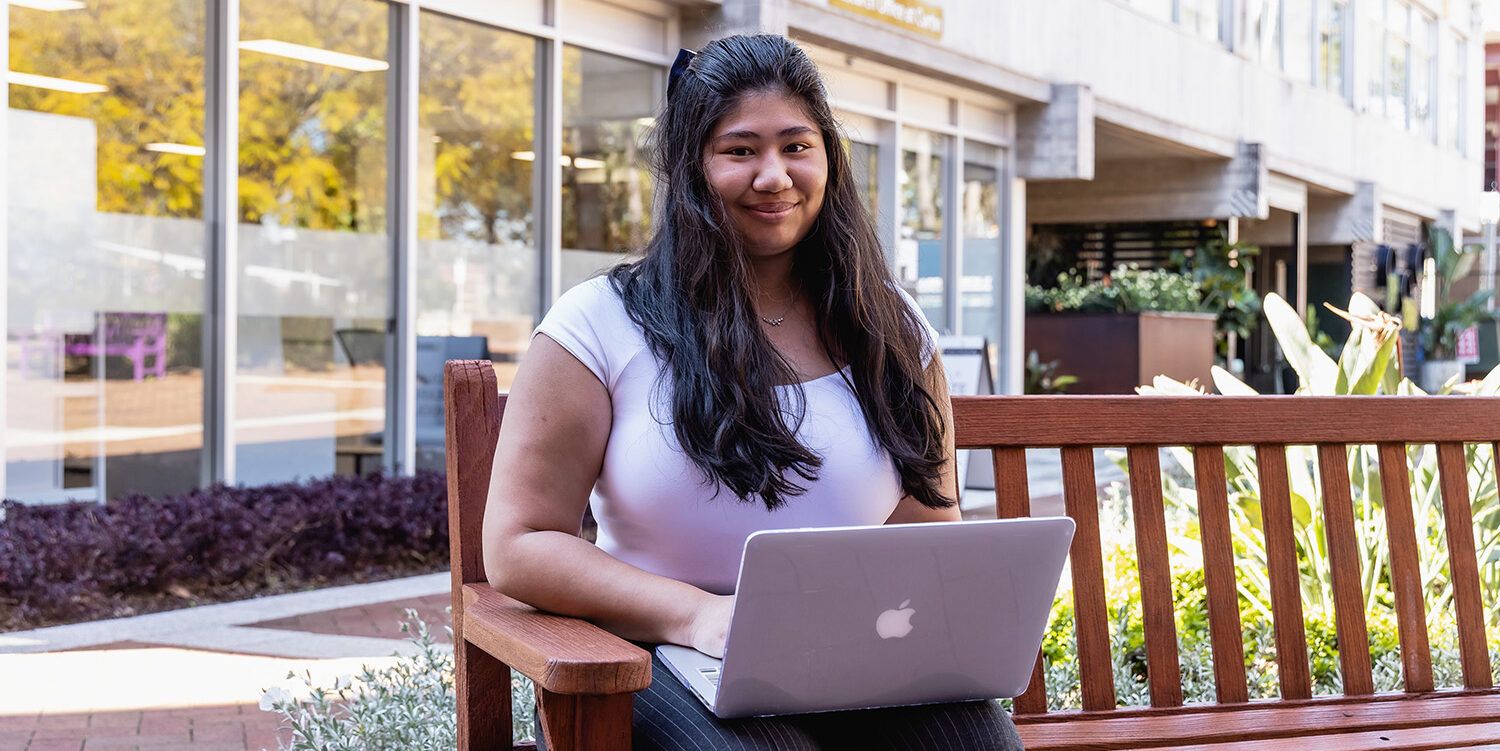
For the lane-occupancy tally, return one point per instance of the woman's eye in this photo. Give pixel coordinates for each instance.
(800, 147)
(739, 151)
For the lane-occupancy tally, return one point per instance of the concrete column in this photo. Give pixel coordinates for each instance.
(1345, 220)
(1055, 139)
(1159, 190)
(1010, 283)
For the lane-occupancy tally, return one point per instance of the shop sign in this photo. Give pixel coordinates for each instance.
(1468, 346)
(912, 15)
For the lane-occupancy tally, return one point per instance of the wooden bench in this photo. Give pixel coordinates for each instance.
(585, 676)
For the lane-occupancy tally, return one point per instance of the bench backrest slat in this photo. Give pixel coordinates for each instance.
(1265, 427)
(1091, 615)
(1013, 501)
(1344, 570)
(1406, 572)
(1294, 670)
(1162, 667)
(1225, 630)
(1463, 565)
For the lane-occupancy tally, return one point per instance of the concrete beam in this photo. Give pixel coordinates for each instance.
(884, 44)
(1345, 220)
(1158, 190)
(701, 26)
(1055, 140)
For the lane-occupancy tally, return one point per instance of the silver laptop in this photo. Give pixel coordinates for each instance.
(861, 617)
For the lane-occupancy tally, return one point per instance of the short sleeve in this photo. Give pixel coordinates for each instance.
(587, 321)
(929, 334)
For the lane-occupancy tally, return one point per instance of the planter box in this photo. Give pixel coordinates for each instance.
(1112, 353)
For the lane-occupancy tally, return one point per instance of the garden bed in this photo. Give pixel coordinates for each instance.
(133, 555)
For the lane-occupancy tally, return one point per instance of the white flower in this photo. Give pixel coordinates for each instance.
(274, 697)
(343, 682)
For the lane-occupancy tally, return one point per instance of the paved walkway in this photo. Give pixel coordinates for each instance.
(192, 679)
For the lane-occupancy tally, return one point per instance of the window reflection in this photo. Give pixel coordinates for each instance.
(478, 271)
(105, 270)
(865, 159)
(608, 104)
(978, 298)
(314, 256)
(920, 253)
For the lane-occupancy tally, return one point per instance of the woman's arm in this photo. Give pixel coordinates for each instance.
(551, 449)
(909, 510)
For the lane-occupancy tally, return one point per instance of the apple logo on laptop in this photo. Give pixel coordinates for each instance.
(894, 624)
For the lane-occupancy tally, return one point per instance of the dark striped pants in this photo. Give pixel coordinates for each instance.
(669, 717)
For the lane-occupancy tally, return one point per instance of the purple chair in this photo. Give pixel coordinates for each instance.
(138, 336)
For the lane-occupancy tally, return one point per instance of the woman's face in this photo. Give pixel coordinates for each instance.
(767, 160)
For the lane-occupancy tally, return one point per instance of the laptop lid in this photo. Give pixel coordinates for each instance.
(857, 617)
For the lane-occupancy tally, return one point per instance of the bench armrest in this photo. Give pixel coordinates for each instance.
(560, 654)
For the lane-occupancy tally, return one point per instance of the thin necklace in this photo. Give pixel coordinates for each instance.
(782, 318)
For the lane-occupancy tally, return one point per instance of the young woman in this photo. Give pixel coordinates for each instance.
(757, 369)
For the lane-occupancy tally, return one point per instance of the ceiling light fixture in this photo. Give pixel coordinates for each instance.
(177, 148)
(56, 84)
(49, 5)
(314, 55)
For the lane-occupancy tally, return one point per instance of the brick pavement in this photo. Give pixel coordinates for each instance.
(217, 727)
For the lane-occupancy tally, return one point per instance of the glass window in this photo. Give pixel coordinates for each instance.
(1423, 75)
(606, 180)
(1397, 60)
(1451, 99)
(981, 226)
(865, 158)
(1201, 16)
(1297, 52)
(479, 272)
(1372, 53)
(1333, 21)
(921, 254)
(104, 279)
(314, 254)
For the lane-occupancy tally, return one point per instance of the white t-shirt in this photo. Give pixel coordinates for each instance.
(655, 508)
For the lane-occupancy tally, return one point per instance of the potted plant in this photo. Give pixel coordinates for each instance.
(1439, 333)
(1119, 332)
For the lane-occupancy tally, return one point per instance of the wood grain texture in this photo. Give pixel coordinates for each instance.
(1406, 572)
(563, 655)
(1013, 501)
(1256, 722)
(1163, 671)
(1054, 421)
(1463, 566)
(585, 723)
(1091, 614)
(472, 408)
(1225, 630)
(1344, 567)
(1293, 669)
(483, 713)
(471, 416)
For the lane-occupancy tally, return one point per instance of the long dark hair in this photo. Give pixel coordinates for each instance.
(691, 295)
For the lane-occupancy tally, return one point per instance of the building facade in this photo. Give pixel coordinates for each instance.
(241, 236)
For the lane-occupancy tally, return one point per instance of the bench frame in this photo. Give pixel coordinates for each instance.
(585, 677)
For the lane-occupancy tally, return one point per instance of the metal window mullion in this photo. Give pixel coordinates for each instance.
(221, 248)
(4, 250)
(401, 127)
(547, 177)
(953, 185)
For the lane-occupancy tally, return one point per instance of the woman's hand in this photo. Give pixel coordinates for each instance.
(711, 625)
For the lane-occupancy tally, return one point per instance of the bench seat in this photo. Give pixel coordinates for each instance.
(1385, 721)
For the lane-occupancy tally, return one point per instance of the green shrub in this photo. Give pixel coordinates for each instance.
(1127, 289)
(410, 706)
